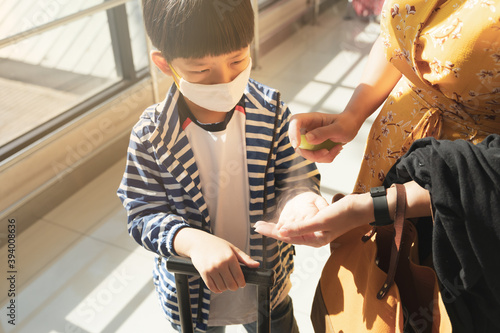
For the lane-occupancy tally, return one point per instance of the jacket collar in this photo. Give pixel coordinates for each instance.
(173, 150)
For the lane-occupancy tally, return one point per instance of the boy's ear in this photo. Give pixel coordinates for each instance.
(161, 62)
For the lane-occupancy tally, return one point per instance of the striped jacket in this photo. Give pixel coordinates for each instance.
(162, 193)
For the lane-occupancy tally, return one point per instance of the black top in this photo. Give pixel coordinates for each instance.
(464, 184)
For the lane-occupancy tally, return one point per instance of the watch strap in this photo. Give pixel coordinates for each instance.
(380, 206)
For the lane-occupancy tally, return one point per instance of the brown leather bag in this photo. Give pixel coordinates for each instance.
(373, 282)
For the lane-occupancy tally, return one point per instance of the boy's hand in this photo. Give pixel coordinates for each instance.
(217, 260)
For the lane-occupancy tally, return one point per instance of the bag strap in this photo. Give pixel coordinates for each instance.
(399, 220)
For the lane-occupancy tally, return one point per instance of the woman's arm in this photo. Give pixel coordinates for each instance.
(344, 215)
(378, 79)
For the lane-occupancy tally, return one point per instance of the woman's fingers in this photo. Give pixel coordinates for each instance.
(321, 156)
(316, 239)
(307, 122)
(267, 229)
(299, 229)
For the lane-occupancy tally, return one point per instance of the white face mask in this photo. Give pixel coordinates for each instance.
(221, 97)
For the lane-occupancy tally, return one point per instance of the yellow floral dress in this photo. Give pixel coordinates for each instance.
(449, 55)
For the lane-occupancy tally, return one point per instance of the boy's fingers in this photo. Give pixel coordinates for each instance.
(245, 258)
(213, 282)
(237, 276)
(235, 268)
(232, 279)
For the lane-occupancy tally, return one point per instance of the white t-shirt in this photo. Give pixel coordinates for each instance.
(221, 160)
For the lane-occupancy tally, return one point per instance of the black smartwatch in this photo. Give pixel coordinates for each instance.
(380, 207)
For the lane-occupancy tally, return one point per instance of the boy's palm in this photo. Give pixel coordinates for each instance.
(302, 207)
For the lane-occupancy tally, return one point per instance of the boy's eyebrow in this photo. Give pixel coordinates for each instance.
(239, 54)
(195, 62)
(200, 62)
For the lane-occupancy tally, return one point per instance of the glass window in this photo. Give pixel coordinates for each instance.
(54, 76)
(45, 78)
(21, 15)
(266, 3)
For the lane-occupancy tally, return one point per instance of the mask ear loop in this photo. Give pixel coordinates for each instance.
(176, 77)
(266, 170)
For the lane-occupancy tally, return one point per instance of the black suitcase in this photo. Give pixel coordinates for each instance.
(263, 278)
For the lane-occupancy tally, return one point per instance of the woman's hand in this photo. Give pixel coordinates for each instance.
(327, 224)
(378, 79)
(354, 210)
(319, 127)
(301, 207)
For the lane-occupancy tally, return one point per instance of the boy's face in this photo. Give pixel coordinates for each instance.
(207, 70)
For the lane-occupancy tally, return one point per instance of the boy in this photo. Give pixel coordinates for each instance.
(194, 181)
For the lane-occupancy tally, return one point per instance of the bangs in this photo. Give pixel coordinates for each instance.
(211, 29)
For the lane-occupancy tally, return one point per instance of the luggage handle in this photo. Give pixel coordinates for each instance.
(263, 278)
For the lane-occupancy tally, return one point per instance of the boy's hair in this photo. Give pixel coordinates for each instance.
(198, 28)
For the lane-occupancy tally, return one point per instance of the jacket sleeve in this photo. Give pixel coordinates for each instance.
(294, 174)
(151, 221)
(463, 181)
